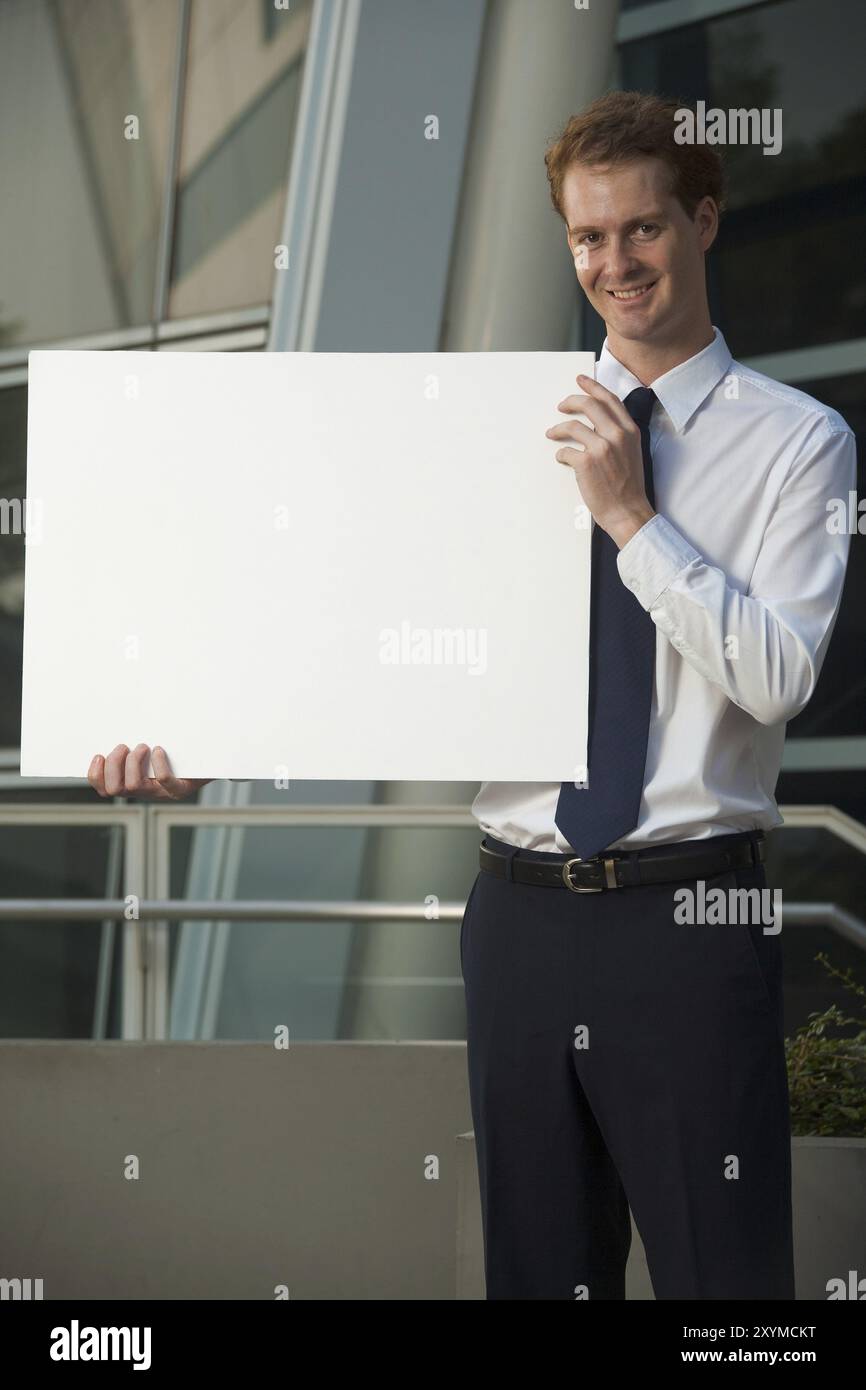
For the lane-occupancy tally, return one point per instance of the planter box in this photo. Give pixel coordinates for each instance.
(829, 1197)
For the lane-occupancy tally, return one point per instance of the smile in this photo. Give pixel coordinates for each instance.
(638, 293)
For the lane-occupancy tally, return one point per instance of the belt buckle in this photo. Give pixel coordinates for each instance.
(576, 887)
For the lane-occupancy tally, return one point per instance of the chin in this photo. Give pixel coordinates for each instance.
(643, 326)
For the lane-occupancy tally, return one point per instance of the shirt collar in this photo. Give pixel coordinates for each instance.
(682, 389)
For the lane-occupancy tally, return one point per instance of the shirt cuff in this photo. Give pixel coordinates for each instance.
(651, 559)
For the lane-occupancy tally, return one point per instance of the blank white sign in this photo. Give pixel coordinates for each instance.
(305, 565)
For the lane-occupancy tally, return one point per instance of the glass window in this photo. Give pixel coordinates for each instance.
(779, 270)
(81, 199)
(838, 706)
(64, 978)
(328, 979)
(240, 107)
(13, 529)
(58, 979)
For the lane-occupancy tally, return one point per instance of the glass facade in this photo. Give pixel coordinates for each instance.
(838, 707)
(780, 279)
(784, 285)
(240, 104)
(86, 162)
(776, 271)
(13, 518)
(326, 979)
(58, 979)
(144, 156)
(144, 183)
(84, 147)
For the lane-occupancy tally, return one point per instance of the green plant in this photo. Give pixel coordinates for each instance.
(827, 1075)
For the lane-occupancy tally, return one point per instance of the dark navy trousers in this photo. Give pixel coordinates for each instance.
(621, 1059)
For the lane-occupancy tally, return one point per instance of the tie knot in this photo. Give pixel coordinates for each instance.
(639, 404)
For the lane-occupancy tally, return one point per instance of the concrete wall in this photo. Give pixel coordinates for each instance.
(258, 1167)
(305, 1168)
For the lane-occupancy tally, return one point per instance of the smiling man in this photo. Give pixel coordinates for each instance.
(617, 1056)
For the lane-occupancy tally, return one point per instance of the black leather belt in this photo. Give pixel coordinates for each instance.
(631, 868)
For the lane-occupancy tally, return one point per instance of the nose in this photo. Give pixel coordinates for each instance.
(620, 265)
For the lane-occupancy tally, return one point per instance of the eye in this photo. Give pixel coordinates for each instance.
(651, 225)
(587, 235)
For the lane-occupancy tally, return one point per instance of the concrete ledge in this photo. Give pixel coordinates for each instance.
(257, 1168)
(339, 1170)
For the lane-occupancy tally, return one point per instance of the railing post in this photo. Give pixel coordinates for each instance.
(134, 943)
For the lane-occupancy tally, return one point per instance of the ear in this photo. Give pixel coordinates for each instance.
(707, 218)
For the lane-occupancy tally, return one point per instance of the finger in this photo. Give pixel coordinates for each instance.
(134, 773)
(572, 458)
(192, 784)
(600, 413)
(600, 395)
(114, 768)
(574, 430)
(596, 390)
(96, 774)
(163, 774)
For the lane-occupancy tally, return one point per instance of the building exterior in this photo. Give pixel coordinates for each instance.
(154, 157)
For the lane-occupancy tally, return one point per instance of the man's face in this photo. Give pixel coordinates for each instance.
(627, 233)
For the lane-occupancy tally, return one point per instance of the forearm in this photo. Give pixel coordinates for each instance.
(764, 653)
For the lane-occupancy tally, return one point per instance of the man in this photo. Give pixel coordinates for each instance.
(623, 1052)
(617, 1054)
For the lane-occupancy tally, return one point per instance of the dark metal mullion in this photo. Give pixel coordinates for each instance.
(117, 284)
(169, 201)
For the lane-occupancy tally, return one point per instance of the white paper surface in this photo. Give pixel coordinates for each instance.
(226, 540)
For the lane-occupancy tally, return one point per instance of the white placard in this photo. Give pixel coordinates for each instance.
(307, 565)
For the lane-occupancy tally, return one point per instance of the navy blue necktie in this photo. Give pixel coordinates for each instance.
(622, 645)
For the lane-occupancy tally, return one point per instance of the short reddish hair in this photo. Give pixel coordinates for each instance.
(622, 126)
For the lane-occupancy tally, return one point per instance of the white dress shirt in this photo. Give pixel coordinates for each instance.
(742, 575)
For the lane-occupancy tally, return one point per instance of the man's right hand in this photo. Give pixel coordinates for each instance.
(120, 774)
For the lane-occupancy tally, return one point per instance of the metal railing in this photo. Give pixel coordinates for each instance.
(145, 908)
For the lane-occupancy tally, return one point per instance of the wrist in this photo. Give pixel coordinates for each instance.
(624, 527)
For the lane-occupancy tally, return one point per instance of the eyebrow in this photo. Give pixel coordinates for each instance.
(655, 216)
